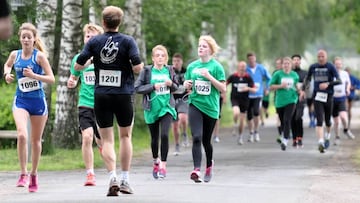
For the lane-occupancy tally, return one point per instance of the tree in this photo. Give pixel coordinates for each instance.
(66, 118)
(46, 18)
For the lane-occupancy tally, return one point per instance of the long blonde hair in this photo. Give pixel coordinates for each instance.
(38, 42)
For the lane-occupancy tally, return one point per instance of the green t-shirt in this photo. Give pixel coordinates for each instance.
(204, 95)
(160, 100)
(87, 86)
(289, 95)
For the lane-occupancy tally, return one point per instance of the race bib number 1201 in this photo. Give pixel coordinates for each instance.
(110, 78)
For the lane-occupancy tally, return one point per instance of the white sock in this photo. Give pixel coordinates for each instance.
(112, 174)
(327, 136)
(124, 175)
(90, 171)
(321, 140)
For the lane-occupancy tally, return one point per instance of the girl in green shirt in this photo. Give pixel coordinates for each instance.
(284, 82)
(206, 79)
(156, 83)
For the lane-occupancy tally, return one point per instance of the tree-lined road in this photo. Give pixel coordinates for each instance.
(254, 172)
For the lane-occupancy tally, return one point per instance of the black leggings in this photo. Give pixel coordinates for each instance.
(201, 126)
(321, 109)
(163, 123)
(297, 128)
(285, 114)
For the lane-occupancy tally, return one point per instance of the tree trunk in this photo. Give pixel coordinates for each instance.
(66, 114)
(45, 20)
(132, 24)
(95, 9)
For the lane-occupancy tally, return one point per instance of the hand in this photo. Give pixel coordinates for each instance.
(323, 85)
(168, 83)
(9, 78)
(188, 84)
(205, 73)
(28, 72)
(71, 83)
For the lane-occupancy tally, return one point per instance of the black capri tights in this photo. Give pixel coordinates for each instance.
(162, 124)
(201, 126)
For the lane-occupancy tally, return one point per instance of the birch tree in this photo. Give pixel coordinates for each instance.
(45, 20)
(132, 24)
(66, 117)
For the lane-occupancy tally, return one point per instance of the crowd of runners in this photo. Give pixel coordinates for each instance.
(186, 100)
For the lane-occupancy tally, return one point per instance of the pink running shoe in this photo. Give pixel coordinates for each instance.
(156, 169)
(90, 180)
(208, 172)
(23, 180)
(33, 186)
(195, 175)
(162, 173)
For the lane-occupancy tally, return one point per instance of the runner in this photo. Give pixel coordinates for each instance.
(355, 85)
(206, 78)
(259, 74)
(87, 122)
(325, 77)
(181, 123)
(297, 128)
(32, 69)
(156, 82)
(241, 85)
(341, 92)
(285, 83)
(116, 58)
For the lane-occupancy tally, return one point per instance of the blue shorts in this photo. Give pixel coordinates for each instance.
(35, 106)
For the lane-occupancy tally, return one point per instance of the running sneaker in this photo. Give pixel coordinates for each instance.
(185, 140)
(295, 143)
(283, 144)
(278, 139)
(156, 169)
(251, 138)
(162, 173)
(208, 172)
(337, 140)
(240, 140)
(23, 180)
(327, 143)
(257, 137)
(349, 134)
(125, 188)
(321, 147)
(177, 150)
(90, 180)
(33, 185)
(195, 175)
(216, 139)
(113, 187)
(300, 143)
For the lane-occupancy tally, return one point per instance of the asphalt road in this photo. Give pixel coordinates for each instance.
(253, 172)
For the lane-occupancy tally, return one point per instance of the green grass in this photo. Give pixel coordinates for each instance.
(66, 159)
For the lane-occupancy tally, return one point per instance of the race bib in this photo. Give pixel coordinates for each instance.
(164, 89)
(257, 85)
(110, 78)
(27, 84)
(241, 87)
(321, 96)
(89, 78)
(339, 90)
(288, 81)
(203, 87)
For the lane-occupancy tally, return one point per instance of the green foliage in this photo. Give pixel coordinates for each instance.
(6, 118)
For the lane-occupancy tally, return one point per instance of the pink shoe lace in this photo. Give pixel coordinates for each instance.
(33, 186)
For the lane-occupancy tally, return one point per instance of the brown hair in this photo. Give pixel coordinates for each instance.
(112, 16)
